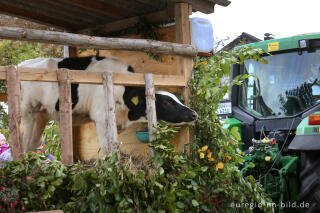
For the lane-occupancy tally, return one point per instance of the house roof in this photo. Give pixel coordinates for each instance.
(102, 15)
(244, 38)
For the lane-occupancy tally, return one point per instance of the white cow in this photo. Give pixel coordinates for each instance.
(40, 100)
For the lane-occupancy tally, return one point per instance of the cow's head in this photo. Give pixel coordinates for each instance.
(168, 107)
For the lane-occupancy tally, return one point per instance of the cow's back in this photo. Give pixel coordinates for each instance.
(39, 96)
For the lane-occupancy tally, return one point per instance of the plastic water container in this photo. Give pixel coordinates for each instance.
(202, 34)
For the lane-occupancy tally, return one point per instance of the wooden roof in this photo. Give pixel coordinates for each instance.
(103, 16)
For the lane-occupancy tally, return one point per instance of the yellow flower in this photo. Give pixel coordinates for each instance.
(265, 140)
(203, 63)
(209, 155)
(199, 150)
(242, 153)
(204, 148)
(195, 65)
(267, 158)
(219, 165)
(201, 155)
(211, 159)
(238, 151)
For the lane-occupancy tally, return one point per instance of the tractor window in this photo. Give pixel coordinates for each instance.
(286, 86)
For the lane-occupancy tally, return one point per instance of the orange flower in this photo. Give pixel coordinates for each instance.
(203, 62)
(209, 155)
(219, 165)
(228, 157)
(211, 159)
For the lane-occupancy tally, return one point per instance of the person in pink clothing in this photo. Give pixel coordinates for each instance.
(5, 152)
(3, 144)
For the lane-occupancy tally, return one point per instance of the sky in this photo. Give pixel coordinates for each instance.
(281, 18)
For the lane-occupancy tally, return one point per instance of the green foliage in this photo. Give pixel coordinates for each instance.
(223, 182)
(38, 183)
(51, 137)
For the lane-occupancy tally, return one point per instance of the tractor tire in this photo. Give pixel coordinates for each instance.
(309, 196)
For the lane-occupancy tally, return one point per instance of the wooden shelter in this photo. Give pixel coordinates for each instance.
(103, 17)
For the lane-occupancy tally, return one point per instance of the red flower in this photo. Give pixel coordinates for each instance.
(3, 188)
(11, 205)
(273, 141)
(5, 200)
(2, 176)
(22, 208)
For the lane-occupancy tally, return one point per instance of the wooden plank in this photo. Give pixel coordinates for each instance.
(126, 79)
(65, 111)
(149, 46)
(112, 135)
(103, 8)
(36, 17)
(122, 24)
(14, 112)
(183, 35)
(50, 211)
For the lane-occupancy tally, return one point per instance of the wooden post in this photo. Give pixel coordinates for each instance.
(65, 109)
(183, 35)
(112, 135)
(14, 112)
(151, 105)
(72, 52)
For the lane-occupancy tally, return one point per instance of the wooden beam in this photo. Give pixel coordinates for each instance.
(203, 6)
(81, 77)
(14, 112)
(183, 35)
(184, 64)
(155, 17)
(103, 8)
(149, 46)
(65, 111)
(112, 135)
(36, 17)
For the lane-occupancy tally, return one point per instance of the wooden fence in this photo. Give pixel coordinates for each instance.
(65, 77)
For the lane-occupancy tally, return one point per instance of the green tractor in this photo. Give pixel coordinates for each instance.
(277, 113)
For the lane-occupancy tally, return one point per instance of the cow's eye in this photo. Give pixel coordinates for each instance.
(170, 102)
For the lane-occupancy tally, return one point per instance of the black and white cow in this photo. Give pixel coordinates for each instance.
(40, 100)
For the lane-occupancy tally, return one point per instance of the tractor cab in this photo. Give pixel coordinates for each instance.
(272, 110)
(279, 94)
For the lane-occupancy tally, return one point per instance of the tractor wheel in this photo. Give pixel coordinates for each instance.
(310, 182)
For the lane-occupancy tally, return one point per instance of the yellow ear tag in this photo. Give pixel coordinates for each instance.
(135, 100)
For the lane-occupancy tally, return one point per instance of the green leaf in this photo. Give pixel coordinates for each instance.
(195, 203)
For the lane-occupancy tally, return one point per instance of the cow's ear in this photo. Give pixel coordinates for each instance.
(134, 115)
(134, 97)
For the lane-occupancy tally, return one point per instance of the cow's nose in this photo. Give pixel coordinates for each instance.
(194, 115)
